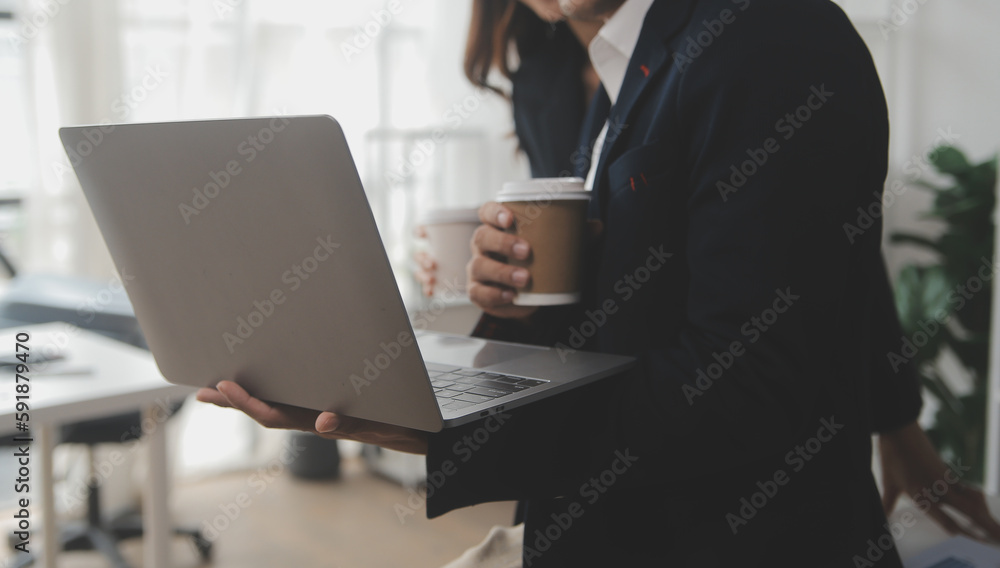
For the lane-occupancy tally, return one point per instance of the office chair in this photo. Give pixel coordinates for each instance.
(106, 310)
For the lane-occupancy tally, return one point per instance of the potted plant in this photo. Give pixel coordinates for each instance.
(952, 293)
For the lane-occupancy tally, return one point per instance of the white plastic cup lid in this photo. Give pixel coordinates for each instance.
(564, 188)
(450, 215)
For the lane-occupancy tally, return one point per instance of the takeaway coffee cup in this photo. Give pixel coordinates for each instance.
(551, 214)
(449, 232)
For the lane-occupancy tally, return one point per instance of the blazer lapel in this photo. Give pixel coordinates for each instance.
(663, 21)
(593, 122)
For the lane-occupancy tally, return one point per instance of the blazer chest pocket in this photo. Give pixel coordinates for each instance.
(642, 171)
(641, 179)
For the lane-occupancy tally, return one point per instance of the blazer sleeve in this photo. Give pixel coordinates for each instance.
(540, 330)
(895, 387)
(778, 235)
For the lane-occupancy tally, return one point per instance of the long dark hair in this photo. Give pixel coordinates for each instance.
(495, 25)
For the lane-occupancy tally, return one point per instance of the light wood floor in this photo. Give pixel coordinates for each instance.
(350, 522)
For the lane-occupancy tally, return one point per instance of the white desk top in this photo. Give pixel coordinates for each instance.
(924, 533)
(113, 377)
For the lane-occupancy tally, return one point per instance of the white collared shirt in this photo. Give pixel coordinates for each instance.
(610, 52)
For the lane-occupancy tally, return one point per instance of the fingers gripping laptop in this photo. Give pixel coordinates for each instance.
(256, 258)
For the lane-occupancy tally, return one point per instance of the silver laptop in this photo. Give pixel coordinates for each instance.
(254, 256)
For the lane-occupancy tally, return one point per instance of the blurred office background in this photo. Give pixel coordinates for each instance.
(390, 72)
(421, 136)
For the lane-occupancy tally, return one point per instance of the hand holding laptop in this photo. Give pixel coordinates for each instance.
(228, 394)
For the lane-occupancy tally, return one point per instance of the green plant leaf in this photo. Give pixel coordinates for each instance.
(949, 160)
(981, 179)
(922, 294)
(958, 210)
(950, 295)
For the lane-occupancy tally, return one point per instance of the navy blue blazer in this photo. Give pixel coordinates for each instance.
(746, 136)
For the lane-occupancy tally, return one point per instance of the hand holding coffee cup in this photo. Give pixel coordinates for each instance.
(551, 214)
(493, 283)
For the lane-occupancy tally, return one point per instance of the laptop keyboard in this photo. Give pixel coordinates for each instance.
(457, 387)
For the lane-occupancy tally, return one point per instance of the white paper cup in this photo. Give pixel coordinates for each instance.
(449, 233)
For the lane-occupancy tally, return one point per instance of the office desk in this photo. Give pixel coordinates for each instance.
(118, 378)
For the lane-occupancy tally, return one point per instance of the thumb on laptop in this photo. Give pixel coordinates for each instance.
(340, 427)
